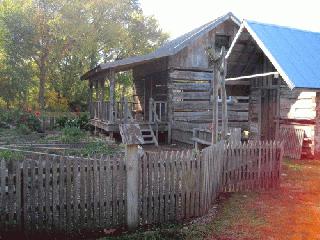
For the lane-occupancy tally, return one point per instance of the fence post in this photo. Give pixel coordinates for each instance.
(132, 137)
(132, 163)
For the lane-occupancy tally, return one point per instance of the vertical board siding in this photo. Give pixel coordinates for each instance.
(46, 193)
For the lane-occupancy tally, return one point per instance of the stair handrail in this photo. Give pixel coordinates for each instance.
(153, 116)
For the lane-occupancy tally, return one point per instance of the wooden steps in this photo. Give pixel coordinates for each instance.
(149, 136)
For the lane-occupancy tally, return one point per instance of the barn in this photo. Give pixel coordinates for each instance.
(281, 65)
(272, 83)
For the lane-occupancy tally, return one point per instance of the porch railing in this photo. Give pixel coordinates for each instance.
(123, 111)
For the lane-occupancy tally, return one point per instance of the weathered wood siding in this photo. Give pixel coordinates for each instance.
(295, 107)
(297, 104)
(195, 56)
(191, 104)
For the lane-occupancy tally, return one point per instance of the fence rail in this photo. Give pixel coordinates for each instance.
(45, 192)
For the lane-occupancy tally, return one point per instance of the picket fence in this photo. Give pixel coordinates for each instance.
(50, 193)
(292, 138)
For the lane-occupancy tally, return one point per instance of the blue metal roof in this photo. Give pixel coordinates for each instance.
(294, 53)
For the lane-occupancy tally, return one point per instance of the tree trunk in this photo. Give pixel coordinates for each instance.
(42, 82)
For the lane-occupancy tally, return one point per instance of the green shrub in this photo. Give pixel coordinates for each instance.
(81, 122)
(10, 155)
(23, 129)
(61, 121)
(19, 117)
(72, 135)
(33, 122)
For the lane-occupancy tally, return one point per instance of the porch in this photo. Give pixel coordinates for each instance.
(106, 118)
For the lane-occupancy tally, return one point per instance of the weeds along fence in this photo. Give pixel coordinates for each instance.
(49, 193)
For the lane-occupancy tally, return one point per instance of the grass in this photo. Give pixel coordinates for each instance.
(96, 147)
(235, 215)
(232, 213)
(293, 165)
(163, 232)
(12, 136)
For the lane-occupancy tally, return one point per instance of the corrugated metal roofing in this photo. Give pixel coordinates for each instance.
(295, 53)
(170, 48)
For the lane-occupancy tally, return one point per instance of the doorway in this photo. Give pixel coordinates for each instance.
(269, 112)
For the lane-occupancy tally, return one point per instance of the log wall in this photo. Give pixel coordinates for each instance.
(191, 105)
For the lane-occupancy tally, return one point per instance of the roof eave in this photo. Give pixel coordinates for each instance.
(148, 57)
(91, 73)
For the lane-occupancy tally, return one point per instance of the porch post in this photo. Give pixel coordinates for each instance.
(170, 108)
(224, 107)
(103, 90)
(278, 115)
(215, 118)
(102, 94)
(96, 86)
(90, 97)
(112, 102)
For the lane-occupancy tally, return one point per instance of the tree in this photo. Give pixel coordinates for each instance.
(57, 41)
(15, 67)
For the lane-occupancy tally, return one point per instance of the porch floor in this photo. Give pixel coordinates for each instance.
(114, 127)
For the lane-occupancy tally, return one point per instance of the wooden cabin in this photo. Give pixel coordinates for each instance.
(171, 87)
(272, 86)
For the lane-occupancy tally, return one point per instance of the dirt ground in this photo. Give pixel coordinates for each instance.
(292, 212)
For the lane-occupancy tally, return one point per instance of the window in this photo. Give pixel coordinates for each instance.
(222, 40)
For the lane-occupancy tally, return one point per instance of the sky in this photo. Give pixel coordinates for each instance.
(177, 17)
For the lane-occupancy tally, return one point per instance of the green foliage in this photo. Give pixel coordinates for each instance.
(45, 46)
(23, 120)
(81, 121)
(61, 121)
(72, 135)
(23, 129)
(31, 121)
(9, 155)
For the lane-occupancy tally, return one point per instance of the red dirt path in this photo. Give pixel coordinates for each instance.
(292, 212)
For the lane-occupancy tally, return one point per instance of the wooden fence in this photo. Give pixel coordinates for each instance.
(292, 138)
(58, 193)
